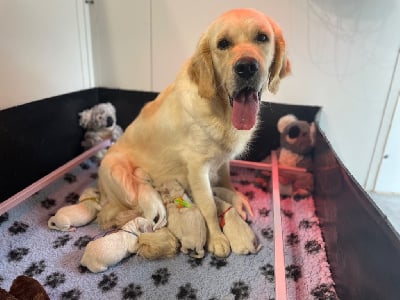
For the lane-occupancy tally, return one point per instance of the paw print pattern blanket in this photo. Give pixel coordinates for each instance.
(29, 247)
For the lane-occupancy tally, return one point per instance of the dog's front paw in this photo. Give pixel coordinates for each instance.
(218, 244)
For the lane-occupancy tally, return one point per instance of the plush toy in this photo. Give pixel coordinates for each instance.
(297, 140)
(100, 123)
(69, 217)
(110, 249)
(241, 237)
(23, 288)
(158, 244)
(184, 219)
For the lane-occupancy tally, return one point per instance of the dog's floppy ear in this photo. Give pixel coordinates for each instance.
(201, 69)
(281, 65)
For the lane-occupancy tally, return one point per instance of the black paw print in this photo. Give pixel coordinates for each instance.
(74, 294)
(1, 280)
(287, 213)
(72, 198)
(17, 254)
(83, 269)
(234, 173)
(55, 279)
(268, 272)
(83, 241)
(306, 224)
(292, 239)
(195, 262)
(186, 292)
(261, 186)
(218, 262)
(312, 247)
(249, 194)
(244, 182)
(35, 268)
(108, 282)
(324, 292)
(94, 175)
(61, 241)
(48, 203)
(267, 233)
(85, 166)
(18, 227)
(132, 292)
(3, 218)
(240, 290)
(264, 212)
(160, 276)
(293, 272)
(70, 178)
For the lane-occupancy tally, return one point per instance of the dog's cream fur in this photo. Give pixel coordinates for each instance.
(186, 223)
(187, 133)
(69, 217)
(158, 244)
(111, 249)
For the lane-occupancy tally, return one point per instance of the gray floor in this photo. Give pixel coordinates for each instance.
(390, 206)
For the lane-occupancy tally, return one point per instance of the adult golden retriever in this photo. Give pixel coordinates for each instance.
(205, 118)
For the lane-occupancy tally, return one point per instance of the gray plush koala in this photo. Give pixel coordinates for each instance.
(100, 123)
(296, 144)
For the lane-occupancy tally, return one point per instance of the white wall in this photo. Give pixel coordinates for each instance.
(43, 50)
(343, 55)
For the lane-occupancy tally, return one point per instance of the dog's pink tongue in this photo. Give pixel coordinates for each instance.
(245, 110)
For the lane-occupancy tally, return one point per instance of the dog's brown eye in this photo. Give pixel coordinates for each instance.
(262, 37)
(223, 44)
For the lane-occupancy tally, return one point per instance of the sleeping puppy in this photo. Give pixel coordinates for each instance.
(205, 118)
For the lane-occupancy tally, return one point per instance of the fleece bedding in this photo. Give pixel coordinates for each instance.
(29, 247)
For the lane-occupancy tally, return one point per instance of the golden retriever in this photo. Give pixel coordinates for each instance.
(205, 118)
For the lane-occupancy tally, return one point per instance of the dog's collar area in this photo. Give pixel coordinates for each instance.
(222, 217)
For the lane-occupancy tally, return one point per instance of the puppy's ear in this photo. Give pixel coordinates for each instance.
(201, 69)
(281, 65)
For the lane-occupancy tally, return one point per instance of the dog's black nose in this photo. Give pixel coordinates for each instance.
(110, 121)
(246, 67)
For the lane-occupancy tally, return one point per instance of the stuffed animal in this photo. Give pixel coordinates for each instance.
(297, 139)
(158, 244)
(185, 220)
(23, 288)
(100, 123)
(110, 249)
(69, 217)
(241, 237)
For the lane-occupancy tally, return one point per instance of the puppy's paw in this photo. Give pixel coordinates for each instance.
(218, 244)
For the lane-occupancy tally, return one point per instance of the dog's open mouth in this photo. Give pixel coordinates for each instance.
(245, 106)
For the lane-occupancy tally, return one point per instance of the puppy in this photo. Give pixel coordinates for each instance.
(69, 217)
(111, 249)
(158, 244)
(241, 237)
(200, 122)
(184, 219)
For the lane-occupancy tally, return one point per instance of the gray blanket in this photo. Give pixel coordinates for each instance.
(27, 246)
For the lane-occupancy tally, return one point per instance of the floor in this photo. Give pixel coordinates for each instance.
(390, 206)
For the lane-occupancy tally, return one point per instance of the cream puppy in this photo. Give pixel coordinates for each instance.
(241, 237)
(111, 249)
(69, 217)
(185, 220)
